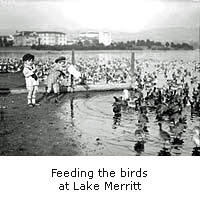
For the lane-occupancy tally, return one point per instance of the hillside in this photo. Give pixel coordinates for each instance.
(161, 34)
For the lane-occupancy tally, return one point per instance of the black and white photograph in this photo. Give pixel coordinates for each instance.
(99, 78)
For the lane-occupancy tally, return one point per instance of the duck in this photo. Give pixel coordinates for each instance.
(164, 135)
(120, 101)
(139, 133)
(131, 103)
(196, 136)
(117, 99)
(179, 127)
(161, 109)
(116, 108)
(143, 118)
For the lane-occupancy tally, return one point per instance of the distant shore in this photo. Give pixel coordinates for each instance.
(129, 45)
(26, 48)
(69, 48)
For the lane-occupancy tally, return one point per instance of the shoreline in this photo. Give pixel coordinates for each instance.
(79, 88)
(23, 49)
(23, 132)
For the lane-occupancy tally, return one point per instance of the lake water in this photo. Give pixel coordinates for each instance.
(91, 114)
(157, 55)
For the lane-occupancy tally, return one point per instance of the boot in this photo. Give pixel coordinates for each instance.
(46, 95)
(57, 99)
(34, 103)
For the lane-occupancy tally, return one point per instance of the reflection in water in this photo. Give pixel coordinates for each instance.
(141, 131)
(3, 123)
(196, 151)
(3, 129)
(72, 110)
(124, 132)
(117, 107)
(116, 120)
(196, 136)
(164, 152)
(177, 141)
(139, 147)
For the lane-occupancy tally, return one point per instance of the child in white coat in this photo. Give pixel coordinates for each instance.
(31, 78)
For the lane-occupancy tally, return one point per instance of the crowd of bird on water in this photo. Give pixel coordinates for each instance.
(169, 104)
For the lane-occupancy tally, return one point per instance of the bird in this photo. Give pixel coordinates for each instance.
(125, 94)
(196, 136)
(139, 133)
(116, 108)
(164, 135)
(131, 103)
(118, 99)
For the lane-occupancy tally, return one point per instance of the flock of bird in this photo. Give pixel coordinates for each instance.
(168, 104)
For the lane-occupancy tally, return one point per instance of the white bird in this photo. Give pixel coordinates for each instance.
(196, 136)
(131, 103)
(125, 95)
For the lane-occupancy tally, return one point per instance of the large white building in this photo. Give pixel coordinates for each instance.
(25, 38)
(52, 38)
(105, 38)
(102, 37)
(29, 38)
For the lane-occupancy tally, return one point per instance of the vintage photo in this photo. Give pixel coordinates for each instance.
(99, 78)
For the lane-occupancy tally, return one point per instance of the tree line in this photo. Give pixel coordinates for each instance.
(95, 45)
(5, 43)
(129, 45)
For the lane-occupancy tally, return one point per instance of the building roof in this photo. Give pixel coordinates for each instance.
(50, 32)
(27, 33)
(7, 37)
(91, 32)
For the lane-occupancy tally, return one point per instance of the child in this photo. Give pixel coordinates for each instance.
(53, 78)
(31, 79)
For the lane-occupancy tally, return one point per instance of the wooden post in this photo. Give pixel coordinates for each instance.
(199, 41)
(132, 73)
(132, 63)
(73, 63)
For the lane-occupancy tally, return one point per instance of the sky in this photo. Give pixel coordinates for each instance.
(110, 15)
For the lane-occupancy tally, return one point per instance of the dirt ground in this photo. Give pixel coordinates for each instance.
(36, 131)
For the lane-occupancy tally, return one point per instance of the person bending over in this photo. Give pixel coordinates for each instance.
(53, 78)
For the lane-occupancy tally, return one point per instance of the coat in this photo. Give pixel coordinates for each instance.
(54, 75)
(28, 71)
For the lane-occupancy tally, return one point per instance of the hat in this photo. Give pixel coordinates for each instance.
(62, 58)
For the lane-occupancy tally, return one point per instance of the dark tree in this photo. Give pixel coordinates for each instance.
(158, 43)
(167, 44)
(1, 42)
(5, 42)
(172, 45)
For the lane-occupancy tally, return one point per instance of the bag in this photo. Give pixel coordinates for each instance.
(73, 71)
(34, 76)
